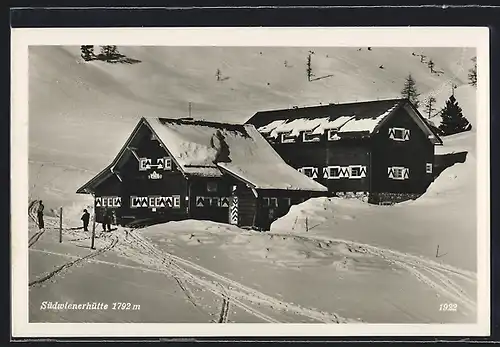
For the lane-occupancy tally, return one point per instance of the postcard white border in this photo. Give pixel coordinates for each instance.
(477, 37)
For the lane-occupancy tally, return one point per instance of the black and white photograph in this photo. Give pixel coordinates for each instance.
(309, 179)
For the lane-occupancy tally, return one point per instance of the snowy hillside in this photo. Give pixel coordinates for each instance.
(81, 113)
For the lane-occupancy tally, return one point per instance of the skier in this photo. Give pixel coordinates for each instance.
(39, 213)
(85, 218)
(106, 220)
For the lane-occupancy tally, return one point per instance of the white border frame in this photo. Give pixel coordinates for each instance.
(477, 37)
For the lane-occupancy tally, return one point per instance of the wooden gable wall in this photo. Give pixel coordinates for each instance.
(414, 153)
(147, 192)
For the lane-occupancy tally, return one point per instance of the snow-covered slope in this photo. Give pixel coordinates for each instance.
(81, 113)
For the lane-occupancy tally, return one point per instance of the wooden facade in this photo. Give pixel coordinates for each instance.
(379, 150)
(147, 183)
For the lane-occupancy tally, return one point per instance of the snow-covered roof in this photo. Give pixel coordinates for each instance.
(213, 149)
(343, 124)
(364, 124)
(328, 123)
(210, 149)
(295, 126)
(355, 118)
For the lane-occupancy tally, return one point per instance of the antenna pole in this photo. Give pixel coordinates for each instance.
(189, 108)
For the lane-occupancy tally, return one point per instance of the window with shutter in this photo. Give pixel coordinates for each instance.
(308, 136)
(288, 138)
(399, 134)
(398, 173)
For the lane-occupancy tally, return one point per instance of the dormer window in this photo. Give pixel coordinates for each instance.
(333, 135)
(308, 136)
(268, 136)
(399, 134)
(288, 137)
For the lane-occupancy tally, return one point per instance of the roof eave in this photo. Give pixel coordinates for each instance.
(96, 180)
(239, 178)
(436, 138)
(88, 187)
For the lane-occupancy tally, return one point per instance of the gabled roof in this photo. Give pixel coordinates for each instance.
(359, 118)
(212, 149)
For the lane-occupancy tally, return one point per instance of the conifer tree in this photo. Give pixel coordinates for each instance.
(87, 52)
(453, 121)
(430, 64)
(410, 92)
(109, 51)
(429, 106)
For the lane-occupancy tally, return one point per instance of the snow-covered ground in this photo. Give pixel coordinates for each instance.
(328, 260)
(264, 277)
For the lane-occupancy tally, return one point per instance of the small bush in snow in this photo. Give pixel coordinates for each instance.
(309, 68)
(109, 51)
(87, 52)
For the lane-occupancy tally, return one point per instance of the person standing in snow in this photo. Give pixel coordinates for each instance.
(39, 214)
(106, 220)
(85, 218)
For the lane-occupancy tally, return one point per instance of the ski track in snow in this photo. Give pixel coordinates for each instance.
(65, 266)
(423, 269)
(233, 292)
(436, 275)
